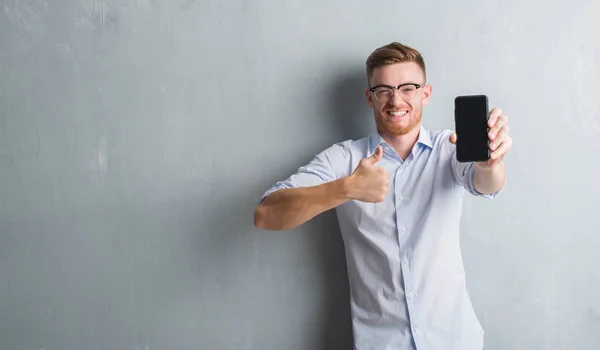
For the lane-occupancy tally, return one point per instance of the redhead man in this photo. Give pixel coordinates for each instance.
(398, 195)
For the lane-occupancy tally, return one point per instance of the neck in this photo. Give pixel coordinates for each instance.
(402, 144)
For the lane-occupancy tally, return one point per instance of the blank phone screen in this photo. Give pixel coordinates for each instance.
(471, 118)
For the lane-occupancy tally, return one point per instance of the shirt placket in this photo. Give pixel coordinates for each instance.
(403, 231)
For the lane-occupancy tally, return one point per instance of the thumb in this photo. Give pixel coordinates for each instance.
(375, 157)
(453, 138)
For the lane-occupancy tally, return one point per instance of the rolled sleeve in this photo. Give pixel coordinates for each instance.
(464, 174)
(323, 168)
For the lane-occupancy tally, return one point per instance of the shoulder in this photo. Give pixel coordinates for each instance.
(345, 149)
(340, 156)
(335, 152)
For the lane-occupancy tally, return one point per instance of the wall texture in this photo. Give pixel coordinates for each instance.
(137, 135)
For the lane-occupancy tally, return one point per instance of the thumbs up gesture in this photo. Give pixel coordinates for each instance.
(368, 182)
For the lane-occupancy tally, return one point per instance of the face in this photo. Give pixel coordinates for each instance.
(397, 115)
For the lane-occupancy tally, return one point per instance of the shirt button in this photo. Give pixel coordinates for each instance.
(403, 229)
(411, 296)
(415, 330)
(400, 198)
(405, 261)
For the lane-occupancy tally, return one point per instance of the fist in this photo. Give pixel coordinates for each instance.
(368, 182)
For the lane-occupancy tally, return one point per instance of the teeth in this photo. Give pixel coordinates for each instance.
(398, 113)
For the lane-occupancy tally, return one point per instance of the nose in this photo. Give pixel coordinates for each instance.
(396, 99)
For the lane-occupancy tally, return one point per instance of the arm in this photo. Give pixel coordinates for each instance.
(489, 180)
(302, 199)
(486, 178)
(290, 207)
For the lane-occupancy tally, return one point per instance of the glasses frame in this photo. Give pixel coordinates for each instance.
(393, 88)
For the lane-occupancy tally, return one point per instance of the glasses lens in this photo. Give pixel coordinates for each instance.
(407, 92)
(383, 93)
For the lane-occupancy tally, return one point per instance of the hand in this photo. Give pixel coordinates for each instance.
(369, 183)
(500, 141)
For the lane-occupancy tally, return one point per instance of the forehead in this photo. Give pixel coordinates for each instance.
(397, 73)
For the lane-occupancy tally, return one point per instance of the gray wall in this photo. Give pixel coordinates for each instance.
(136, 137)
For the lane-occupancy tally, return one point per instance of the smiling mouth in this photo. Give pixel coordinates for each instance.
(397, 113)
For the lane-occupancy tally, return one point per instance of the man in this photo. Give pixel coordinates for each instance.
(398, 196)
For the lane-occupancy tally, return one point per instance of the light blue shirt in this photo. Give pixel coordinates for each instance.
(406, 274)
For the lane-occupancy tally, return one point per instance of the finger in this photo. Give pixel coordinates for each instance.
(500, 122)
(375, 157)
(500, 138)
(503, 149)
(453, 138)
(494, 114)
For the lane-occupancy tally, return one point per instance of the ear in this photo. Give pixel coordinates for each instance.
(369, 98)
(426, 94)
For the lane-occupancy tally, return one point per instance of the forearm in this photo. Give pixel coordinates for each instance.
(288, 208)
(489, 180)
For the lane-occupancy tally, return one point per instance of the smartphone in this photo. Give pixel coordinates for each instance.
(471, 114)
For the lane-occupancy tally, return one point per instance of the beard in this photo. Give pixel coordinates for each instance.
(385, 125)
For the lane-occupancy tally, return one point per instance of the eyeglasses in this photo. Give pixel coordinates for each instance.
(384, 93)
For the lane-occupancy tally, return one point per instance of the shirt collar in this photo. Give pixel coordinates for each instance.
(376, 139)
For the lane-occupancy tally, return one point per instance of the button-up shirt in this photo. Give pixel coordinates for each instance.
(406, 274)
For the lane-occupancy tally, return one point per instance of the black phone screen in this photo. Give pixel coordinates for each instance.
(471, 118)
